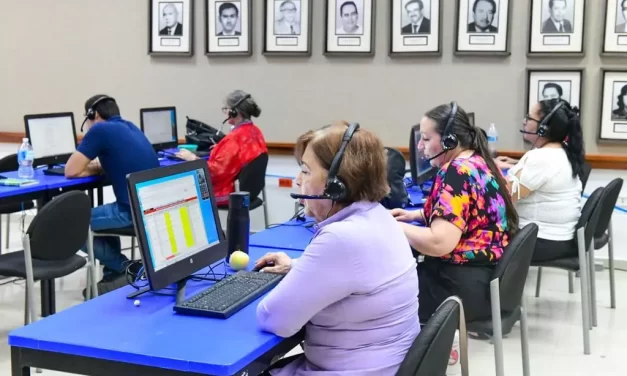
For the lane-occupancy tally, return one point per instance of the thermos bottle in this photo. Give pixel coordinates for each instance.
(238, 223)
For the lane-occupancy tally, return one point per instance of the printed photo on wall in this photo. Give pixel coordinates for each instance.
(415, 28)
(483, 27)
(228, 27)
(556, 27)
(287, 28)
(545, 84)
(171, 25)
(614, 106)
(615, 35)
(349, 27)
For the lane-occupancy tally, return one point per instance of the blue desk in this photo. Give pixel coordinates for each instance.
(291, 236)
(110, 336)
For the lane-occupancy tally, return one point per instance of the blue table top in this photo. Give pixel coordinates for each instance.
(293, 236)
(152, 334)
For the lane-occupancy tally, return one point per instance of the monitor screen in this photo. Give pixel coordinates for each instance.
(420, 166)
(178, 217)
(159, 125)
(51, 135)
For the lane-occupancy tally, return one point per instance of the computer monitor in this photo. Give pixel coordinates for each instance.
(159, 126)
(53, 137)
(420, 166)
(176, 221)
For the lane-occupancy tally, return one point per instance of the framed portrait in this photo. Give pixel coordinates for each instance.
(483, 27)
(287, 28)
(415, 28)
(613, 106)
(349, 27)
(171, 25)
(543, 84)
(615, 35)
(228, 28)
(556, 27)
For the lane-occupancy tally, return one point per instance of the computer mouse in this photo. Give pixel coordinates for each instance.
(258, 268)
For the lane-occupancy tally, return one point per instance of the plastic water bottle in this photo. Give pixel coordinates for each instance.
(493, 138)
(25, 159)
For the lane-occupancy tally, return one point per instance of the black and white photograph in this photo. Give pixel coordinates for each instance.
(546, 84)
(170, 30)
(615, 34)
(287, 28)
(483, 27)
(415, 27)
(349, 27)
(556, 27)
(613, 106)
(228, 27)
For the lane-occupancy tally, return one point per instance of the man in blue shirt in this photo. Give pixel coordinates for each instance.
(115, 147)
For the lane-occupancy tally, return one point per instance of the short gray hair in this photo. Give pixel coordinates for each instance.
(247, 107)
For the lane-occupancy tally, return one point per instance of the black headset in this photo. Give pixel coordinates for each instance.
(334, 188)
(543, 126)
(91, 111)
(233, 111)
(449, 140)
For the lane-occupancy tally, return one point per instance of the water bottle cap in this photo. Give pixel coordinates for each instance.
(25, 139)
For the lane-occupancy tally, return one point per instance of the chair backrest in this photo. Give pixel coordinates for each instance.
(589, 217)
(607, 203)
(585, 174)
(61, 227)
(252, 178)
(8, 163)
(430, 352)
(513, 267)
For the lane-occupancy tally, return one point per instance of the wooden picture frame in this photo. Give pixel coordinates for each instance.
(228, 28)
(613, 112)
(482, 30)
(351, 33)
(416, 28)
(615, 29)
(558, 31)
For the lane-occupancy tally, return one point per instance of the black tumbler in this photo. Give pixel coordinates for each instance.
(238, 223)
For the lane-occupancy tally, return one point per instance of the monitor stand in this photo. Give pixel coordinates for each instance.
(425, 191)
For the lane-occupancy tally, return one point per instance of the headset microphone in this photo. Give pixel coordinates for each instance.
(309, 197)
(437, 155)
(525, 132)
(91, 111)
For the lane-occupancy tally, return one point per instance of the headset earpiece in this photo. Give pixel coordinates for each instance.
(233, 111)
(91, 111)
(543, 126)
(335, 189)
(449, 140)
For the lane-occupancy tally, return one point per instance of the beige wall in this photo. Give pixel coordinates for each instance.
(60, 52)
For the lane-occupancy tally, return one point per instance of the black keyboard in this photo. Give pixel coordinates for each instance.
(229, 295)
(57, 171)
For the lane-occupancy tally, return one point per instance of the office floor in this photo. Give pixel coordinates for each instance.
(555, 337)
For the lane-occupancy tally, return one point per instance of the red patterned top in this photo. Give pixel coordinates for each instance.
(240, 147)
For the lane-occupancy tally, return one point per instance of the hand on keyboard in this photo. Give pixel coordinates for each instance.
(275, 262)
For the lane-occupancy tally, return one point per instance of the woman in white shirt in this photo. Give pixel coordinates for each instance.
(545, 183)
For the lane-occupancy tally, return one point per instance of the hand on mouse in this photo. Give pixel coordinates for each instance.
(281, 263)
(186, 155)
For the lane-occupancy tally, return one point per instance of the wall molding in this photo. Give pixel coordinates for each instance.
(598, 161)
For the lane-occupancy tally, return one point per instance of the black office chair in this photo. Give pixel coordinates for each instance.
(506, 296)
(252, 179)
(430, 352)
(9, 163)
(603, 234)
(585, 230)
(120, 232)
(51, 242)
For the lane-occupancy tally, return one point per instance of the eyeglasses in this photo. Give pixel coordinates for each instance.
(528, 117)
(225, 109)
(289, 10)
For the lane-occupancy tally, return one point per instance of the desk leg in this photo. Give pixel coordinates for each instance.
(16, 364)
(48, 301)
(100, 191)
(90, 193)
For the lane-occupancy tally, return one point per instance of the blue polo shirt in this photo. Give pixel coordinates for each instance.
(122, 149)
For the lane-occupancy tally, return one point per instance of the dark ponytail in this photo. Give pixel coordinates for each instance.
(480, 145)
(565, 128)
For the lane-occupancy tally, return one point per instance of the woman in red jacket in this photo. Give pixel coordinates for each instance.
(241, 146)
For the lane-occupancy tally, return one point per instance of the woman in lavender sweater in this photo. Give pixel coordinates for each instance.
(354, 289)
